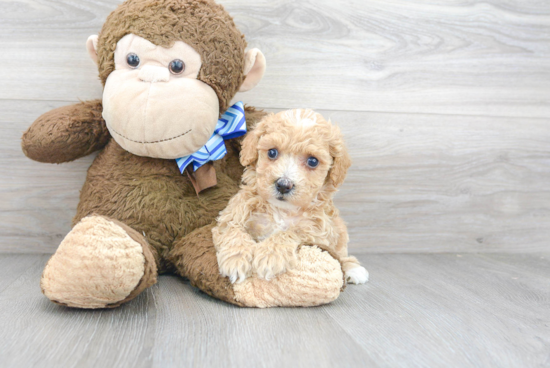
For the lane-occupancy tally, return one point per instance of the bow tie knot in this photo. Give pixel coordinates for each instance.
(232, 124)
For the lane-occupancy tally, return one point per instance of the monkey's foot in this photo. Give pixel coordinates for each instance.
(317, 279)
(101, 263)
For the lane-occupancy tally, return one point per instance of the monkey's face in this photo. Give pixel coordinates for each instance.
(153, 103)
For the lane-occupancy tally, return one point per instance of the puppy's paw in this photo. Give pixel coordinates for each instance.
(270, 261)
(357, 275)
(235, 265)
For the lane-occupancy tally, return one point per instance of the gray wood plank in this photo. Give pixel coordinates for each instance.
(215, 334)
(418, 183)
(37, 201)
(178, 327)
(460, 57)
(434, 183)
(451, 310)
(12, 266)
(460, 310)
(38, 333)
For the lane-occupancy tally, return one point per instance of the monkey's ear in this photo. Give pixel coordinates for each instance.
(91, 46)
(254, 69)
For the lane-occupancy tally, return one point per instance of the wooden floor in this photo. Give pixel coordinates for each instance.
(419, 310)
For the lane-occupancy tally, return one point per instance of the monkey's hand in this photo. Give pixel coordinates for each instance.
(275, 255)
(66, 133)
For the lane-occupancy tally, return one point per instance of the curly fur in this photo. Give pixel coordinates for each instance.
(260, 230)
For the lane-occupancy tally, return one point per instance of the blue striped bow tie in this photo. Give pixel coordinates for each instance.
(231, 125)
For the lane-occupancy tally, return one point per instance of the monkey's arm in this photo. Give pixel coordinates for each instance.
(66, 133)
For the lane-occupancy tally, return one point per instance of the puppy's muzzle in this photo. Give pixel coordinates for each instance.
(284, 186)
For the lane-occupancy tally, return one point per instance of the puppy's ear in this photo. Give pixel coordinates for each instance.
(341, 158)
(249, 148)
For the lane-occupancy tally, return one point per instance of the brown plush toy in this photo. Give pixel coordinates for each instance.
(170, 69)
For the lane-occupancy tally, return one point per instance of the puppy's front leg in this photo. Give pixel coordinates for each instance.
(355, 273)
(234, 246)
(276, 254)
(236, 262)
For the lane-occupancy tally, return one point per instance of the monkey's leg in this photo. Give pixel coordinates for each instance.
(101, 263)
(318, 278)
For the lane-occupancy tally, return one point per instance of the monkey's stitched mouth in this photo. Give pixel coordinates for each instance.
(159, 141)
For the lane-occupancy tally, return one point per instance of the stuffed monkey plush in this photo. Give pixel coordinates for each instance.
(169, 69)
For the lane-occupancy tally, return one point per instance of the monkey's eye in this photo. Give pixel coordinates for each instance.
(132, 60)
(312, 162)
(272, 153)
(177, 66)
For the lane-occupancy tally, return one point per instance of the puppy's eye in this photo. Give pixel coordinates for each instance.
(177, 66)
(312, 162)
(132, 60)
(272, 153)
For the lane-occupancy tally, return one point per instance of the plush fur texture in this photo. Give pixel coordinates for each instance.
(98, 264)
(194, 257)
(261, 229)
(203, 24)
(153, 197)
(66, 133)
(317, 279)
(140, 213)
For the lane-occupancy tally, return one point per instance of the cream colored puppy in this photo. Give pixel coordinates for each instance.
(295, 161)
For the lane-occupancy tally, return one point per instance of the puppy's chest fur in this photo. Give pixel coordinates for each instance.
(310, 228)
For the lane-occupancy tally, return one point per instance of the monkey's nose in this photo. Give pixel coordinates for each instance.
(284, 185)
(153, 74)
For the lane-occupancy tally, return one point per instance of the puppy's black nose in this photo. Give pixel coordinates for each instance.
(284, 185)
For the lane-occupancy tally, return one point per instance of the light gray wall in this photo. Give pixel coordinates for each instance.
(445, 106)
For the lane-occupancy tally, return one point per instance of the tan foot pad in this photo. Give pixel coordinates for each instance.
(317, 280)
(97, 264)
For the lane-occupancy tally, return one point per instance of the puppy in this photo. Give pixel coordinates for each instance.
(295, 161)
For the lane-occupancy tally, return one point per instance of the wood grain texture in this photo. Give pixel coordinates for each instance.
(445, 106)
(36, 333)
(434, 169)
(418, 310)
(37, 201)
(438, 183)
(450, 57)
(418, 183)
(447, 310)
